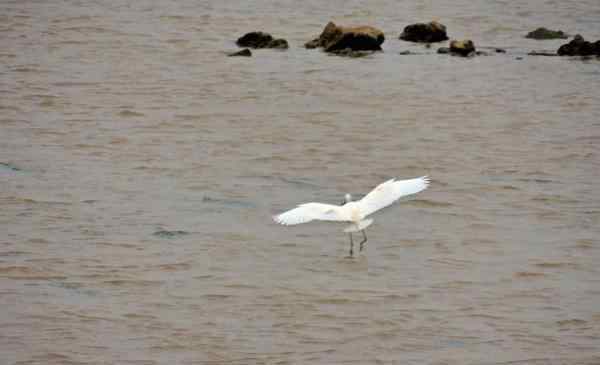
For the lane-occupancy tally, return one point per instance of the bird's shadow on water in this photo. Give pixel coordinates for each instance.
(343, 261)
(339, 265)
(353, 262)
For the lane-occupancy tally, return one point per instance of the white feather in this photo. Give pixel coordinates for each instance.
(388, 192)
(310, 211)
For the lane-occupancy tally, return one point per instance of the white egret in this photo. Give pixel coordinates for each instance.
(355, 212)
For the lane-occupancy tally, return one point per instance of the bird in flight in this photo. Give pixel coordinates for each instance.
(355, 212)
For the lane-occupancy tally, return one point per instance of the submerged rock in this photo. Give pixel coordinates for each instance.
(348, 52)
(462, 48)
(425, 32)
(244, 53)
(338, 39)
(170, 234)
(579, 47)
(542, 53)
(543, 33)
(261, 40)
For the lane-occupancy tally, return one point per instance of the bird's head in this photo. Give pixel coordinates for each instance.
(347, 199)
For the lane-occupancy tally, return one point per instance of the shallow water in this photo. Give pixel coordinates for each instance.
(140, 167)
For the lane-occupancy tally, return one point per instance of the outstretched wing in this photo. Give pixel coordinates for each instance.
(308, 212)
(388, 192)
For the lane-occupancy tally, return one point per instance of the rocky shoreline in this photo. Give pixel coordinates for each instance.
(357, 41)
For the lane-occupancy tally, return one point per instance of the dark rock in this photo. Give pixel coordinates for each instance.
(443, 50)
(500, 50)
(481, 53)
(579, 47)
(254, 40)
(543, 33)
(244, 52)
(462, 48)
(425, 32)
(337, 39)
(357, 39)
(261, 40)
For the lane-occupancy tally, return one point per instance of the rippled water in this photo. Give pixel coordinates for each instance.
(140, 167)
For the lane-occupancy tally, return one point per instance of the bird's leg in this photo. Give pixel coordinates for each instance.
(364, 239)
(351, 245)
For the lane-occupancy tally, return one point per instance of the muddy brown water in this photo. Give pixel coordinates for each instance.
(140, 167)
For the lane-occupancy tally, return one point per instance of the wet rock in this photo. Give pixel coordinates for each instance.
(462, 48)
(500, 50)
(543, 33)
(261, 40)
(443, 50)
(579, 47)
(244, 53)
(424, 32)
(338, 39)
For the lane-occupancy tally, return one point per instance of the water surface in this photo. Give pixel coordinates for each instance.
(140, 167)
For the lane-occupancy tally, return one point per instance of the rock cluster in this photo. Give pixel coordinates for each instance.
(359, 41)
(425, 32)
(579, 47)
